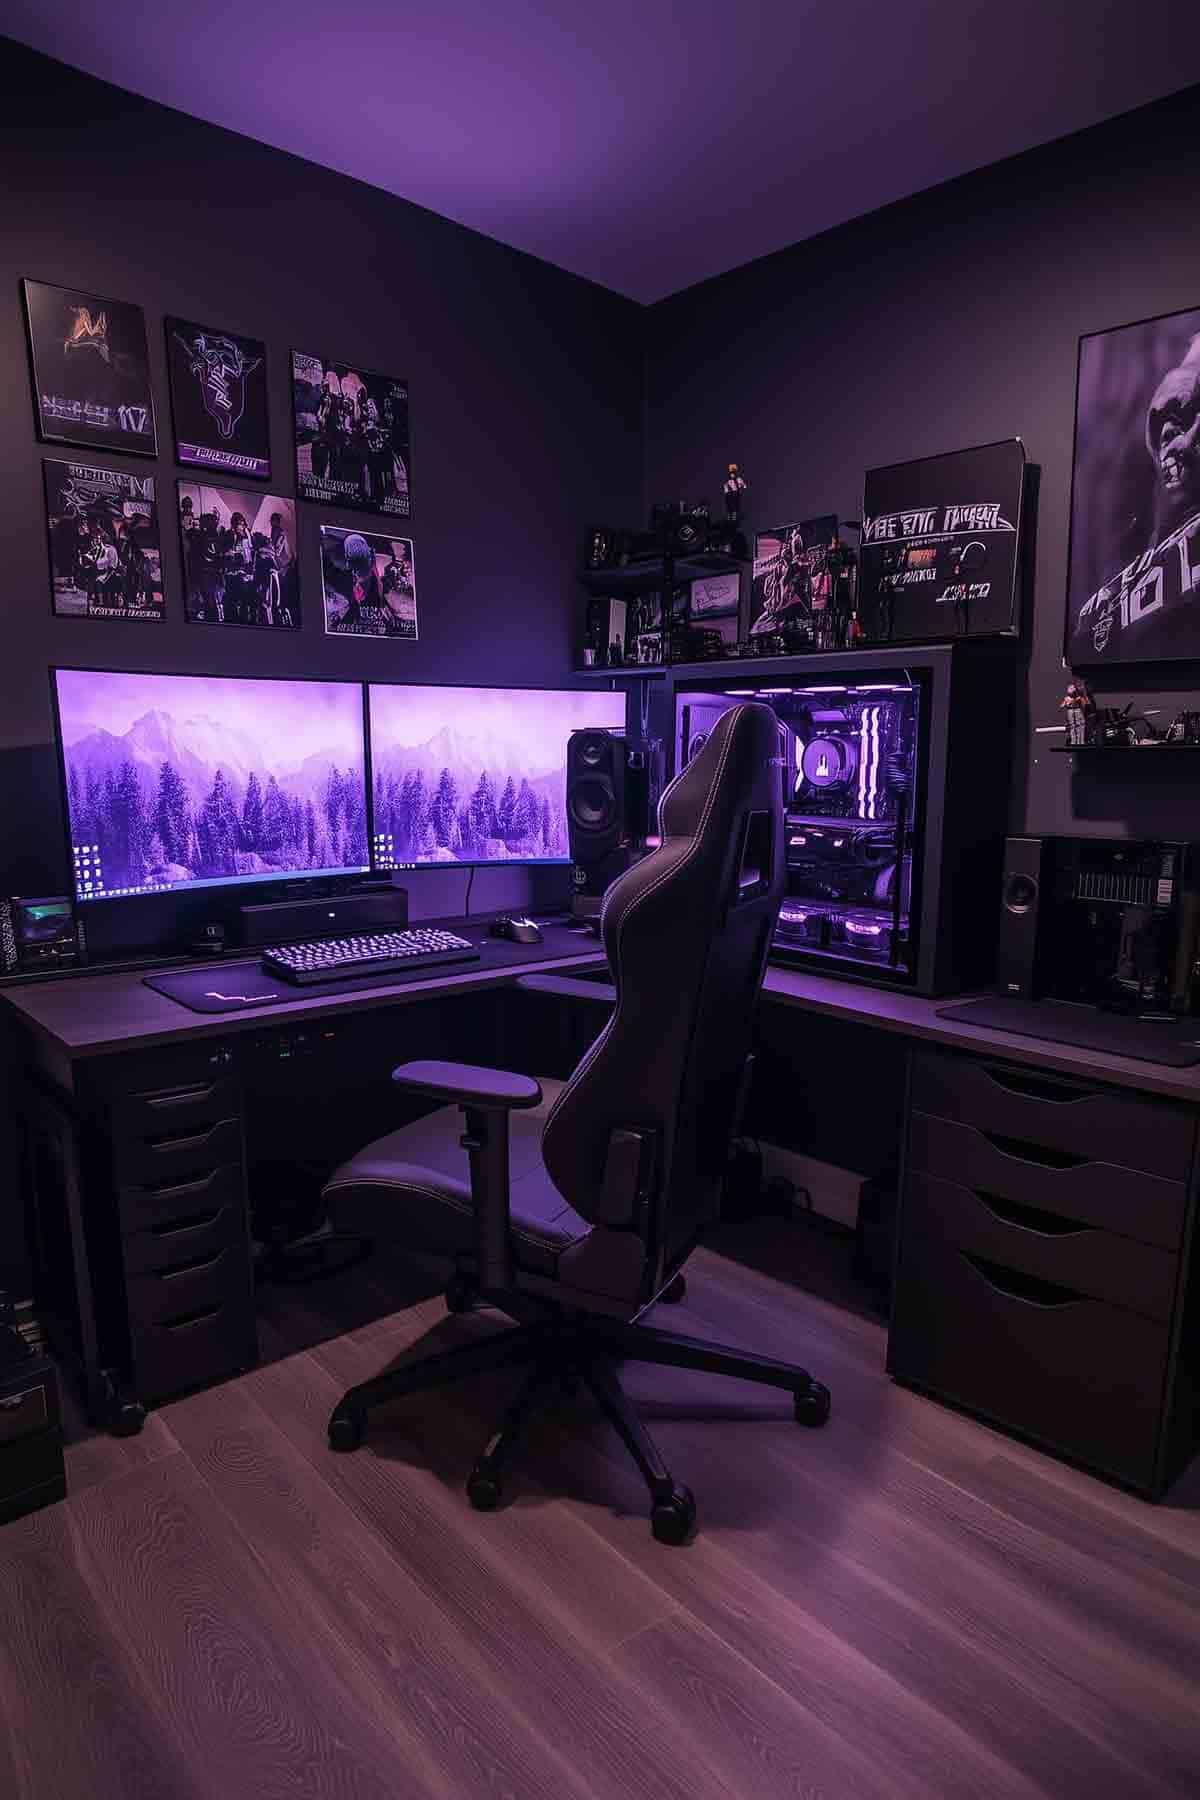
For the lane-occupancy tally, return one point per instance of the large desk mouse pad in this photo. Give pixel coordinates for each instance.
(1170, 1043)
(234, 984)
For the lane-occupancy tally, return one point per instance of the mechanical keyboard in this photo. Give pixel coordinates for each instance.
(372, 953)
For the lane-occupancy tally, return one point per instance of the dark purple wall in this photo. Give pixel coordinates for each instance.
(527, 419)
(948, 320)
(526, 406)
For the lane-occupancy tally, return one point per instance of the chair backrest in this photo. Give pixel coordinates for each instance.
(687, 932)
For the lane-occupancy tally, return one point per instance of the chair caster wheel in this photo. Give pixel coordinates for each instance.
(812, 1406)
(128, 1417)
(347, 1430)
(461, 1294)
(484, 1488)
(675, 1291)
(673, 1518)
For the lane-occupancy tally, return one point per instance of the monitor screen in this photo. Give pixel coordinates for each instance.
(184, 780)
(476, 774)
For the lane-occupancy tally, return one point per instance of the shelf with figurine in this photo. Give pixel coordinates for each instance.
(1119, 729)
(675, 593)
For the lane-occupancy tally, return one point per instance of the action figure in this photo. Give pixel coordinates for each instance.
(1078, 703)
(735, 487)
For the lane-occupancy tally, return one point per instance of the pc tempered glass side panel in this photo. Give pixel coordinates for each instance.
(853, 760)
(185, 781)
(476, 774)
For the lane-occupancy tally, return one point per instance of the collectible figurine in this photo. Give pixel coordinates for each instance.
(1078, 703)
(735, 487)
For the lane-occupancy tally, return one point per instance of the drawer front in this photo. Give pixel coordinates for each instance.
(208, 1342)
(1069, 1183)
(176, 1155)
(26, 1411)
(161, 1109)
(1098, 1263)
(166, 1202)
(1104, 1124)
(1083, 1377)
(112, 1079)
(189, 1284)
(187, 1238)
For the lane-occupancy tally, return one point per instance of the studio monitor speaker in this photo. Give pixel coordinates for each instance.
(1024, 887)
(612, 782)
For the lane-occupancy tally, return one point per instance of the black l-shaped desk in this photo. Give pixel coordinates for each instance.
(1046, 1262)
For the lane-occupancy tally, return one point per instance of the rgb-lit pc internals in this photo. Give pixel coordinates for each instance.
(476, 774)
(849, 755)
(182, 781)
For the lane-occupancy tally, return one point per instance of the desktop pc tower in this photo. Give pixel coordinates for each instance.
(1107, 922)
(895, 767)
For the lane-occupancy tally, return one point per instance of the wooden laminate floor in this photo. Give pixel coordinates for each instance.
(904, 1604)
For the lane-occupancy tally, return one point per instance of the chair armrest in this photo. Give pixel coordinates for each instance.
(469, 1085)
(563, 987)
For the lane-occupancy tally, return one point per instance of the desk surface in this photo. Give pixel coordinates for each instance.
(94, 1015)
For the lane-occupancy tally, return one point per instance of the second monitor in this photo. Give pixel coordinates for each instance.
(475, 774)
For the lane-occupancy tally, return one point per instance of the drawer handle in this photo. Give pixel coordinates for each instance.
(183, 1140)
(1015, 1285)
(197, 1266)
(186, 1321)
(180, 1096)
(1034, 1087)
(169, 1189)
(1029, 1218)
(1033, 1153)
(181, 1227)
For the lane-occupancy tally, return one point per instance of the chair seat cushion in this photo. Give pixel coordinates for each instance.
(412, 1188)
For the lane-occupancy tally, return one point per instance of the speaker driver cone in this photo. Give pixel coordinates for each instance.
(593, 804)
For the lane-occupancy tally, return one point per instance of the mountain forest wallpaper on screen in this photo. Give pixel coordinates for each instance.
(476, 774)
(175, 779)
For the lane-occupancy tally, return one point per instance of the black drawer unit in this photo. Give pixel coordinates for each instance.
(178, 1173)
(32, 1472)
(142, 1182)
(1042, 1272)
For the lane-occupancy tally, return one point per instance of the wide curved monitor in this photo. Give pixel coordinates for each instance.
(183, 781)
(476, 774)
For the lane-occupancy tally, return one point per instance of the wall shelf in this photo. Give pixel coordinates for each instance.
(649, 575)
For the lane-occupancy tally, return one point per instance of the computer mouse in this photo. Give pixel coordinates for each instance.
(516, 930)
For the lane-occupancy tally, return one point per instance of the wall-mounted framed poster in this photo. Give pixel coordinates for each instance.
(218, 399)
(105, 555)
(352, 436)
(369, 585)
(941, 546)
(240, 563)
(91, 372)
(1133, 577)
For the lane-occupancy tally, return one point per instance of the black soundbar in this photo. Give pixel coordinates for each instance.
(339, 915)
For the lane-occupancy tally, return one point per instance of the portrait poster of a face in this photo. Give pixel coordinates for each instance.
(1133, 586)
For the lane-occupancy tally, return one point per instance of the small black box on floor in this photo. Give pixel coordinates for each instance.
(32, 1472)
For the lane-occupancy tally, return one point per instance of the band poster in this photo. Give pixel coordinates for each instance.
(91, 373)
(105, 560)
(352, 438)
(218, 399)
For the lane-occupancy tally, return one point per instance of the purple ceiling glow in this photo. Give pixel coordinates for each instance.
(646, 144)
